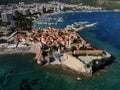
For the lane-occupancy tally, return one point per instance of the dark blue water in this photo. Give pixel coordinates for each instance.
(106, 36)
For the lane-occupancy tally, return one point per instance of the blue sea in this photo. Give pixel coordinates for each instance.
(20, 72)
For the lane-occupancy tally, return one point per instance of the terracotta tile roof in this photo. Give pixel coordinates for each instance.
(50, 36)
(69, 53)
(89, 51)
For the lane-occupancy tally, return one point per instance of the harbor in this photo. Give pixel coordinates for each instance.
(48, 21)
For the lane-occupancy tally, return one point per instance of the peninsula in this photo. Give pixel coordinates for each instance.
(51, 46)
(58, 47)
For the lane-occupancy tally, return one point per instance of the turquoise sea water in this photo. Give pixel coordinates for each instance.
(19, 70)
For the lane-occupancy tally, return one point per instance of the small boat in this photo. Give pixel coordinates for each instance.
(38, 62)
(79, 78)
(60, 19)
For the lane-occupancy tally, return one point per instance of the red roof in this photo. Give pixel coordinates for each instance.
(89, 51)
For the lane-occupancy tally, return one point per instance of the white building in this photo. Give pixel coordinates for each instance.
(26, 11)
(36, 7)
(7, 17)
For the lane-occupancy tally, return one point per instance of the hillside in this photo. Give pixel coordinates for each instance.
(107, 4)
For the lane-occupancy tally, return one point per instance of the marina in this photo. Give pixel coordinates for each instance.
(49, 21)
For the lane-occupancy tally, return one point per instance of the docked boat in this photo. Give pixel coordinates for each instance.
(60, 19)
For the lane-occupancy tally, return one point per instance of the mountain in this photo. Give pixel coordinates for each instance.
(107, 4)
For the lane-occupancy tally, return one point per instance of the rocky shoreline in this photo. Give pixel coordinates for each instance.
(69, 65)
(80, 64)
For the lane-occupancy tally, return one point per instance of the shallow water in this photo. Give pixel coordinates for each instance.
(24, 72)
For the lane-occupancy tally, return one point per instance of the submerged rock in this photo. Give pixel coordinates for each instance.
(1, 80)
(79, 78)
(24, 85)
